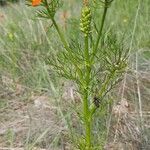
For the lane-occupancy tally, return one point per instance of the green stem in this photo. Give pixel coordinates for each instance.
(100, 30)
(87, 60)
(86, 119)
(86, 94)
(60, 35)
(86, 42)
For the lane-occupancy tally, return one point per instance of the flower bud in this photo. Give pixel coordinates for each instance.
(85, 24)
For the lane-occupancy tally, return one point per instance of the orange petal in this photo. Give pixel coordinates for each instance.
(36, 2)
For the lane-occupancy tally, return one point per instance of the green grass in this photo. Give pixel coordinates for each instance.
(26, 42)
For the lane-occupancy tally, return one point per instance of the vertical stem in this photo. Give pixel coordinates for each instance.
(100, 30)
(87, 121)
(60, 34)
(86, 95)
(87, 60)
(86, 42)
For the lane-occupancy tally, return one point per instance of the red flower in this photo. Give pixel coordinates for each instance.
(36, 2)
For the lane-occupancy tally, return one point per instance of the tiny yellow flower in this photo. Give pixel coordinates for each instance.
(11, 36)
(125, 20)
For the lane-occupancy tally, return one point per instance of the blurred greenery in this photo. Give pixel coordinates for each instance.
(4, 2)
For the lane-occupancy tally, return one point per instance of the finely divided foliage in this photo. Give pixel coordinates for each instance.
(94, 81)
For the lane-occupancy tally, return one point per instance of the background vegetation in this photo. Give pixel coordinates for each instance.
(35, 105)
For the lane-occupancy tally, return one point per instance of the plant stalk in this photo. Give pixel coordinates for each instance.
(62, 38)
(86, 94)
(100, 30)
(60, 35)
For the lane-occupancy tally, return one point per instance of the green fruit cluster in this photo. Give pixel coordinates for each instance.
(85, 24)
